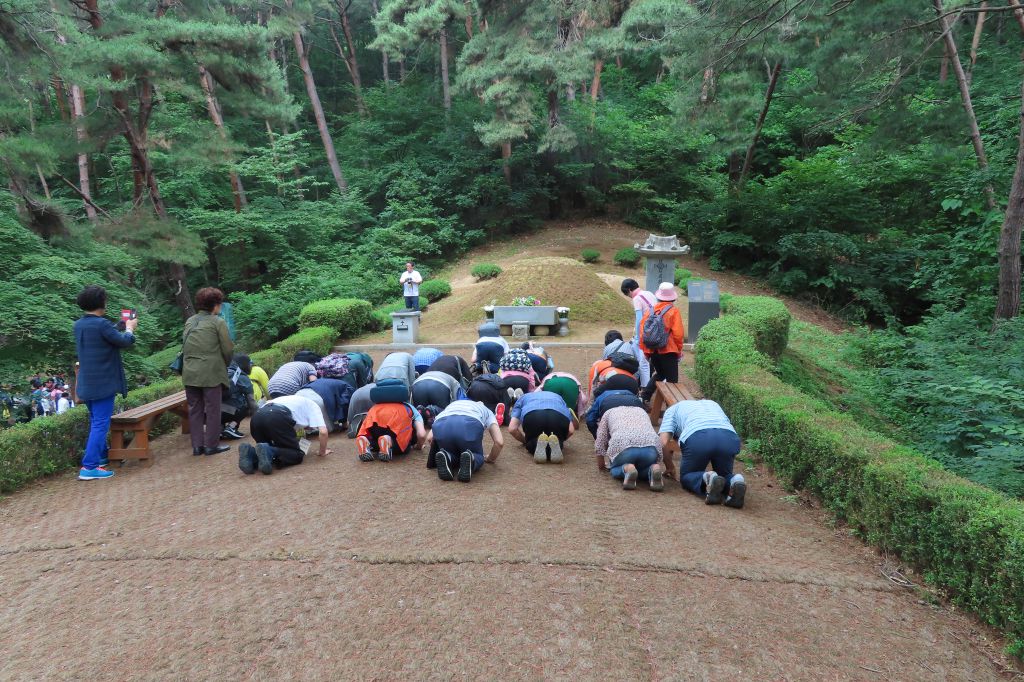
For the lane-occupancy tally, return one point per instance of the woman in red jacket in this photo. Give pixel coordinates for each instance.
(664, 360)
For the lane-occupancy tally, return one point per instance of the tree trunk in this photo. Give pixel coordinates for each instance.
(318, 112)
(506, 156)
(78, 109)
(570, 91)
(595, 84)
(976, 41)
(384, 65)
(965, 96)
(213, 106)
(1018, 14)
(401, 69)
(707, 87)
(351, 60)
(469, 19)
(749, 160)
(446, 87)
(1008, 300)
(553, 114)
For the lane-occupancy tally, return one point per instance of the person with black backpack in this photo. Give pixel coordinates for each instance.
(661, 338)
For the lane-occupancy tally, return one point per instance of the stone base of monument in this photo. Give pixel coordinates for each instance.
(520, 330)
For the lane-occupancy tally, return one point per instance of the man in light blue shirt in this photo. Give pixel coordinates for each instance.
(542, 422)
(706, 436)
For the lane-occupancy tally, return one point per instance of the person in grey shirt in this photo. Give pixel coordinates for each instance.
(358, 405)
(290, 377)
(399, 366)
(436, 388)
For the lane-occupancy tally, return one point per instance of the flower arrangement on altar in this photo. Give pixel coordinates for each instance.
(525, 300)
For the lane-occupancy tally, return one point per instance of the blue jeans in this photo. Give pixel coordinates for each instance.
(412, 302)
(642, 458)
(96, 448)
(717, 447)
(457, 433)
(491, 353)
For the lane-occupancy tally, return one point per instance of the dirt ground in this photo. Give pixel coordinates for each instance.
(341, 570)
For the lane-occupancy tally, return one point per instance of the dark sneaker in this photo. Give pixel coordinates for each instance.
(629, 480)
(217, 450)
(247, 458)
(230, 434)
(265, 458)
(737, 493)
(465, 466)
(556, 449)
(716, 490)
(656, 477)
(444, 466)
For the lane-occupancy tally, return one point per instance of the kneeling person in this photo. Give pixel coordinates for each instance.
(389, 429)
(542, 422)
(457, 438)
(273, 428)
(628, 446)
(436, 388)
(706, 436)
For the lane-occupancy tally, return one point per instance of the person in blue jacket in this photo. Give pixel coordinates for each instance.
(100, 375)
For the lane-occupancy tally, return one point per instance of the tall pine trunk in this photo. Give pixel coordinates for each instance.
(749, 160)
(351, 61)
(976, 41)
(78, 111)
(595, 84)
(1008, 299)
(965, 96)
(446, 87)
(318, 112)
(385, 66)
(213, 106)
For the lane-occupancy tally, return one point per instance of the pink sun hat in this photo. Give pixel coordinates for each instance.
(666, 292)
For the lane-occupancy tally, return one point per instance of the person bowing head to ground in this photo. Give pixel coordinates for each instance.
(706, 436)
(436, 388)
(454, 366)
(456, 441)
(488, 349)
(569, 387)
(423, 358)
(542, 422)
(389, 429)
(290, 377)
(490, 389)
(517, 371)
(100, 375)
(628, 446)
(411, 280)
(398, 365)
(273, 427)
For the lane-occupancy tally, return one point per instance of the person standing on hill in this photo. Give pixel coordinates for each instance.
(410, 281)
(101, 374)
(206, 351)
(661, 338)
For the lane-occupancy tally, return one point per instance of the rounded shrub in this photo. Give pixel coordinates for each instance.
(627, 257)
(346, 316)
(590, 255)
(435, 289)
(682, 274)
(482, 271)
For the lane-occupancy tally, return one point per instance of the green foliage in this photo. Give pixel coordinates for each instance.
(161, 360)
(627, 257)
(435, 289)
(482, 271)
(965, 538)
(348, 317)
(682, 275)
(590, 255)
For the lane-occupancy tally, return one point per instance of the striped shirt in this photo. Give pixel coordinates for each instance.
(687, 417)
(290, 377)
(625, 427)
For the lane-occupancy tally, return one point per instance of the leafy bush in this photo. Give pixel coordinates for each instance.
(590, 255)
(47, 445)
(346, 316)
(482, 271)
(965, 538)
(161, 360)
(682, 275)
(627, 257)
(435, 289)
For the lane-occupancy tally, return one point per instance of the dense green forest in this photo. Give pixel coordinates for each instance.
(859, 154)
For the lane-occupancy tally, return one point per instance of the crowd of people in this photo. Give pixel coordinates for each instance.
(42, 397)
(433, 401)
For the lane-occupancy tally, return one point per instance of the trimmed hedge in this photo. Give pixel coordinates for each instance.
(590, 255)
(47, 445)
(435, 289)
(682, 274)
(964, 538)
(482, 271)
(627, 257)
(346, 316)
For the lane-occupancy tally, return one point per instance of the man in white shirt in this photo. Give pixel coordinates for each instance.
(410, 281)
(273, 427)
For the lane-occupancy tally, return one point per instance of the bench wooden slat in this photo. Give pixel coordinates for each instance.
(165, 404)
(140, 420)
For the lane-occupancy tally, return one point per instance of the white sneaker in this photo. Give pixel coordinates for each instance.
(556, 449)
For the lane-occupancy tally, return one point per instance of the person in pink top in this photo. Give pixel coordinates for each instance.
(643, 301)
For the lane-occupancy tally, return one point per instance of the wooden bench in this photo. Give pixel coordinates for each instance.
(140, 420)
(665, 396)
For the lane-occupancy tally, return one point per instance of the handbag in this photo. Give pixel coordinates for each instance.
(178, 363)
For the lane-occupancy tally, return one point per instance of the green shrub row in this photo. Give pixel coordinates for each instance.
(482, 271)
(348, 317)
(51, 444)
(435, 289)
(627, 257)
(963, 537)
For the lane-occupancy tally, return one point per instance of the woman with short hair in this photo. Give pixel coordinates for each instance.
(205, 351)
(100, 375)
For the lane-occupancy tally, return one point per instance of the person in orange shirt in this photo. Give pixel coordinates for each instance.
(663, 350)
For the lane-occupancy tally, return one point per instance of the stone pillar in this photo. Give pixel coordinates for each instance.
(405, 327)
(662, 254)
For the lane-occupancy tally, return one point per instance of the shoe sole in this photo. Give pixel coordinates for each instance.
(366, 457)
(444, 467)
(265, 460)
(739, 493)
(715, 491)
(657, 481)
(94, 478)
(629, 482)
(499, 413)
(247, 459)
(540, 451)
(466, 467)
(556, 450)
(385, 457)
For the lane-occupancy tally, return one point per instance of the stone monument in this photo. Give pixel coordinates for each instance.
(662, 254)
(405, 327)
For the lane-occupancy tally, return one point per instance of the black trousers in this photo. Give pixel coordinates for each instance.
(544, 421)
(664, 367)
(274, 426)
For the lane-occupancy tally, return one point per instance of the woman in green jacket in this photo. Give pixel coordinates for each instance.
(206, 352)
